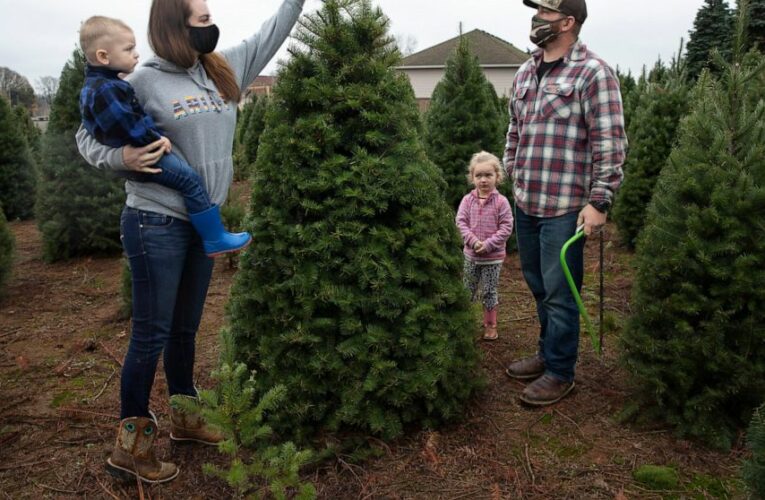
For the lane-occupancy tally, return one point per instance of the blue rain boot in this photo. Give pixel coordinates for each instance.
(215, 238)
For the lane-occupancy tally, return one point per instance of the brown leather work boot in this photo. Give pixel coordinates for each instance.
(546, 390)
(191, 427)
(134, 453)
(526, 368)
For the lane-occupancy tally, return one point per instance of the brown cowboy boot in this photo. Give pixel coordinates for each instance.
(527, 368)
(134, 453)
(546, 390)
(191, 427)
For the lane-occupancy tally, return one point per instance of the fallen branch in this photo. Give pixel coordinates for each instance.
(77, 410)
(107, 491)
(28, 464)
(110, 353)
(59, 490)
(570, 420)
(104, 387)
(528, 464)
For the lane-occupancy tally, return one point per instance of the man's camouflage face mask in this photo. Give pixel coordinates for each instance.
(542, 31)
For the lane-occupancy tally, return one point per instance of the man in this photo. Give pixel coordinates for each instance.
(565, 150)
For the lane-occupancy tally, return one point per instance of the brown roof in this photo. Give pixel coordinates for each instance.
(264, 81)
(490, 50)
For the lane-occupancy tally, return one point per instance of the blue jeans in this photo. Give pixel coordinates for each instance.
(176, 174)
(170, 276)
(540, 240)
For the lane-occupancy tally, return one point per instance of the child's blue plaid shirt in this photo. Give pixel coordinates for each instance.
(111, 112)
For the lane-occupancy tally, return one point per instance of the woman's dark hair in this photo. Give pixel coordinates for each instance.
(169, 39)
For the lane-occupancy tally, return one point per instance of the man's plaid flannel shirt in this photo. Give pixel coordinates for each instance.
(566, 141)
(111, 112)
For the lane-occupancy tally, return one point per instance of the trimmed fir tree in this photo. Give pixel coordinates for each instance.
(28, 128)
(756, 29)
(627, 86)
(696, 341)
(78, 206)
(17, 175)
(754, 468)
(652, 135)
(350, 294)
(256, 122)
(6, 251)
(712, 29)
(244, 422)
(240, 166)
(463, 119)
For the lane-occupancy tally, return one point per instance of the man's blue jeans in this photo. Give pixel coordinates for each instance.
(178, 175)
(170, 276)
(540, 240)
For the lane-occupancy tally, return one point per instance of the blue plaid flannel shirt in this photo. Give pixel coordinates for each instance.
(111, 112)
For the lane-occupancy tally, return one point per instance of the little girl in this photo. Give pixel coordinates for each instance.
(486, 221)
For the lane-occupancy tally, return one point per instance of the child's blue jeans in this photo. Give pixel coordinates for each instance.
(178, 175)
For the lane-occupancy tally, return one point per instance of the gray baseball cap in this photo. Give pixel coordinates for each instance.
(574, 8)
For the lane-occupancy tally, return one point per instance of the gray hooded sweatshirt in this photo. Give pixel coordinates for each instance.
(186, 106)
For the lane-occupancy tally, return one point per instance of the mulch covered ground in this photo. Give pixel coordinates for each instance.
(62, 342)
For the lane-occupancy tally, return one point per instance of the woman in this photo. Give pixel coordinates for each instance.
(192, 94)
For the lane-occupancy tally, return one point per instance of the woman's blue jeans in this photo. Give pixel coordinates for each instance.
(170, 277)
(540, 240)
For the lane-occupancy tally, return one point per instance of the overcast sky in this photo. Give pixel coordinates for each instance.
(38, 36)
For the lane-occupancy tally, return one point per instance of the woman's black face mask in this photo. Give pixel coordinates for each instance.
(204, 38)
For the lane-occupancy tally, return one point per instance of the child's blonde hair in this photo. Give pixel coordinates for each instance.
(96, 31)
(485, 157)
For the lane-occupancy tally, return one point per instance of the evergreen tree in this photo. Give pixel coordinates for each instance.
(350, 295)
(28, 129)
(463, 119)
(240, 166)
(696, 341)
(712, 29)
(756, 29)
(628, 86)
(17, 175)
(6, 251)
(754, 468)
(78, 206)
(256, 122)
(652, 135)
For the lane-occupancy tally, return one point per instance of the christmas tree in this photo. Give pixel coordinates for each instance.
(6, 251)
(350, 294)
(652, 135)
(712, 29)
(754, 468)
(464, 118)
(628, 88)
(78, 207)
(756, 29)
(254, 129)
(696, 341)
(240, 166)
(17, 175)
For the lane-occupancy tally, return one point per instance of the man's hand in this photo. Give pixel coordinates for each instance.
(141, 159)
(591, 218)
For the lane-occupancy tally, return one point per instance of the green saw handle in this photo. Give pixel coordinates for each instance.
(588, 324)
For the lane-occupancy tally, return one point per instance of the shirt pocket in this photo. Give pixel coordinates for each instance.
(520, 102)
(558, 101)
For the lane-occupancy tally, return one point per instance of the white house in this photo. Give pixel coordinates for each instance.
(499, 60)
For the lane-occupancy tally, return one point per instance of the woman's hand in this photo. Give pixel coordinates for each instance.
(141, 159)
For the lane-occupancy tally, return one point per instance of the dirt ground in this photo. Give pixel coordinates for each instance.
(62, 343)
